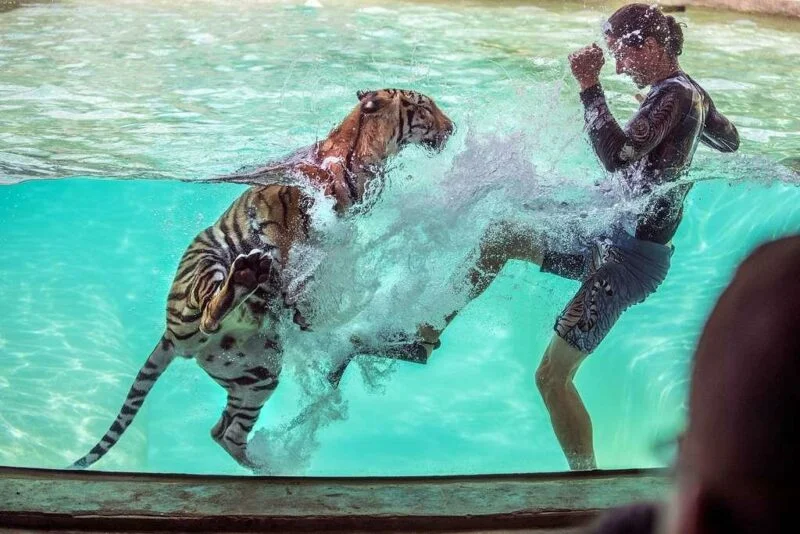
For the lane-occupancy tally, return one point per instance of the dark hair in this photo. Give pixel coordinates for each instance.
(634, 23)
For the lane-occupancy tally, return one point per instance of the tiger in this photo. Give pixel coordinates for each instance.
(231, 289)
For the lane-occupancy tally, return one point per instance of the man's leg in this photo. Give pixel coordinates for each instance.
(569, 417)
(502, 242)
(616, 280)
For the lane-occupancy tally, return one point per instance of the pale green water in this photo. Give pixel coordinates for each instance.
(152, 90)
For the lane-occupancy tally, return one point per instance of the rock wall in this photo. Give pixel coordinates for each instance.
(773, 7)
(8, 5)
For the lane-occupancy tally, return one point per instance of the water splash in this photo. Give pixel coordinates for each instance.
(404, 260)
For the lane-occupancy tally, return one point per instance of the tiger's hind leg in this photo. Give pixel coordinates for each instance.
(248, 370)
(247, 272)
(240, 414)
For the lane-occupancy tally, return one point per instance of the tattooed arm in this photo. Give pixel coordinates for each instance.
(617, 147)
(719, 133)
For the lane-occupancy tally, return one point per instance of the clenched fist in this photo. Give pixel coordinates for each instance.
(586, 64)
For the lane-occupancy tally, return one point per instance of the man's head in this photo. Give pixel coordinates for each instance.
(643, 40)
(739, 466)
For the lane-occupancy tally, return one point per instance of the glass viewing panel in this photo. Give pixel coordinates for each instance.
(112, 112)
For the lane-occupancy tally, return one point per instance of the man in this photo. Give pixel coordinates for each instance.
(627, 264)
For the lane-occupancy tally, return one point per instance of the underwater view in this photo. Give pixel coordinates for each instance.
(115, 118)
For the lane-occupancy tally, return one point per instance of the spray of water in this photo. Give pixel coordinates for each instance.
(403, 260)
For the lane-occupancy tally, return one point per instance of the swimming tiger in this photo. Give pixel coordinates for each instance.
(230, 291)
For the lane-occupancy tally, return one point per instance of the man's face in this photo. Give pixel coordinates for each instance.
(633, 61)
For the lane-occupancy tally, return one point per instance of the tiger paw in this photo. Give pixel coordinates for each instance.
(252, 269)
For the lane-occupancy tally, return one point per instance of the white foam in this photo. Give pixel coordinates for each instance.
(403, 261)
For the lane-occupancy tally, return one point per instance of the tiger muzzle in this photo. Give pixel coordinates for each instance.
(438, 141)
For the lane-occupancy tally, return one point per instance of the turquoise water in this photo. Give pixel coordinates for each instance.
(152, 93)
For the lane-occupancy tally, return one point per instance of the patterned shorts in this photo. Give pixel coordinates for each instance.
(616, 274)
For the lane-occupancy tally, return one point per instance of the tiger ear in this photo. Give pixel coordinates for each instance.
(370, 106)
(362, 94)
(372, 102)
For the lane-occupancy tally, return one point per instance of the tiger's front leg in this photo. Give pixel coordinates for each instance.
(247, 272)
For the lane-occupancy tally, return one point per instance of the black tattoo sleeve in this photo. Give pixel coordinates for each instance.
(617, 147)
(719, 133)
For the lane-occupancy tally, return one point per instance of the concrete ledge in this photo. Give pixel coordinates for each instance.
(789, 8)
(123, 502)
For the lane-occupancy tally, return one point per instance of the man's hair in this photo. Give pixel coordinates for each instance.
(634, 23)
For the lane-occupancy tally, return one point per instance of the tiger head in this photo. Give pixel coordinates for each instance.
(355, 151)
(397, 118)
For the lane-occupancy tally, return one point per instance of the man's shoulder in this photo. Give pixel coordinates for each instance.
(677, 83)
(675, 93)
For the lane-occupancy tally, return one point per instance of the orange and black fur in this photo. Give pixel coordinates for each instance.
(230, 290)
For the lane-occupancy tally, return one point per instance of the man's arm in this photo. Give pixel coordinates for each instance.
(719, 133)
(617, 147)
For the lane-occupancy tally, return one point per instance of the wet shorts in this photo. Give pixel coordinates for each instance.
(616, 274)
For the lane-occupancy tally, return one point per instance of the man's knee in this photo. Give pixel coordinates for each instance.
(505, 240)
(543, 376)
(558, 366)
(550, 378)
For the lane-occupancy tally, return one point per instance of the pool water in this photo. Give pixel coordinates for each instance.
(106, 107)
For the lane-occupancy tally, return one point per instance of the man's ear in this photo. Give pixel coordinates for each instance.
(652, 45)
